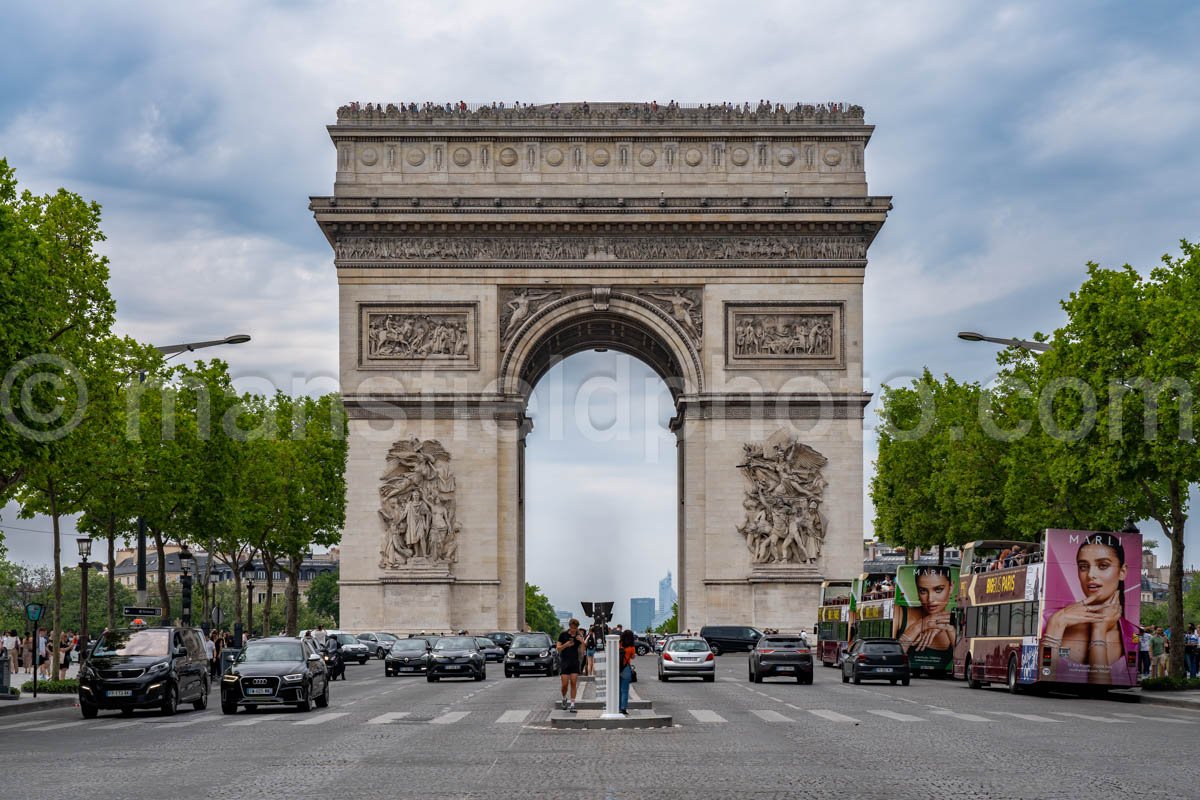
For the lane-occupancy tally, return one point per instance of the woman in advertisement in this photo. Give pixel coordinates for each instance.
(1087, 638)
(925, 631)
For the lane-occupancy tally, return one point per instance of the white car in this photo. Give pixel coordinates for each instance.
(687, 657)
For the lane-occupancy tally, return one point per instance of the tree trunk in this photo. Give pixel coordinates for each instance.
(269, 569)
(293, 594)
(1175, 593)
(941, 554)
(237, 595)
(56, 620)
(112, 573)
(163, 597)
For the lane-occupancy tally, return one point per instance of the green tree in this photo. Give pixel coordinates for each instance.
(671, 623)
(323, 596)
(539, 614)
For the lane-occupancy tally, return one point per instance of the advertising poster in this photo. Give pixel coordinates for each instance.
(1092, 607)
(925, 596)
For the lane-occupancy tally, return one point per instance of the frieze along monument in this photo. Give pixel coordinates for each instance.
(475, 247)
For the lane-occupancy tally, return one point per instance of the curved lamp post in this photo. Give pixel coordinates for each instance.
(1025, 344)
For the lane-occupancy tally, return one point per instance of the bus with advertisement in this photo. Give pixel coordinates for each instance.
(1062, 610)
(923, 617)
(833, 622)
(871, 599)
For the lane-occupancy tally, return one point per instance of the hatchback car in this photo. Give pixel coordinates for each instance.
(407, 657)
(351, 648)
(530, 654)
(275, 671)
(491, 651)
(456, 657)
(730, 638)
(144, 668)
(687, 658)
(378, 643)
(777, 655)
(875, 659)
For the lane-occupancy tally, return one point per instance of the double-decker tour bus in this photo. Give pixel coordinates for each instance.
(833, 621)
(922, 615)
(871, 596)
(1063, 610)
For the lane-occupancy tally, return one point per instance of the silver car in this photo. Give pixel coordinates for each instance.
(685, 657)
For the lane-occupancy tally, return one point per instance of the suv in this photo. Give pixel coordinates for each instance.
(133, 668)
(730, 638)
(378, 643)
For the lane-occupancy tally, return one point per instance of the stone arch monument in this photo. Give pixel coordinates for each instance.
(474, 247)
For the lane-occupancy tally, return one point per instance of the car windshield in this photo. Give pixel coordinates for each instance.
(541, 640)
(409, 644)
(788, 643)
(882, 648)
(455, 643)
(132, 643)
(271, 651)
(484, 642)
(345, 638)
(387, 637)
(688, 646)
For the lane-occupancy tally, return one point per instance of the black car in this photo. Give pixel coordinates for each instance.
(643, 644)
(456, 657)
(730, 638)
(408, 657)
(778, 655)
(875, 659)
(275, 671)
(491, 651)
(501, 638)
(145, 668)
(530, 654)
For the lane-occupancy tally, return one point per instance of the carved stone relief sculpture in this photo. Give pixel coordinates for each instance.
(518, 305)
(685, 306)
(784, 489)
(784, 335)
(417, 335)
(417, 506)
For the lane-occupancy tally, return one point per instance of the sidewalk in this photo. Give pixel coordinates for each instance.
(28, 703)
(1189, 700)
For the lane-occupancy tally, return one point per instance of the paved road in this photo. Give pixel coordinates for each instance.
(404, 737)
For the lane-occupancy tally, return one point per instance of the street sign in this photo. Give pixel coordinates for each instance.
(143, 611)
(34, 611)
(218, 616)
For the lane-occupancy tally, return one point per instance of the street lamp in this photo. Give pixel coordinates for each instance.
(249, 608)
(185, 585)
(1025, 344)
(212, 582)
(84, 543)
(170, 350)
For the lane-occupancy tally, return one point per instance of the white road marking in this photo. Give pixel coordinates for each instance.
(516, 715)
(56, 726)
(112, 726)
(832, 716)
(1156, 719)
(449, 718)
(897, 716)
(1026, 717)
(958, 715)
(390, 716)
(25, 724)
(704, 715)
(1090, 718)
(771, 716)
(326, 717)
(241, 723)
(196, 720)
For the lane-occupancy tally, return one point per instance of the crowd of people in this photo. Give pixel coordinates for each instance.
(1154, 647)
(35, 652)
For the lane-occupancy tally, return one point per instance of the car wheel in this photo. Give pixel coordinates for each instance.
(170, 701)
(1011, 683)
(807, 680)
(201, 702)
(844, 678)
(323, 700)
(709, 678)
(88, 710)
(857, 681)
(380, 654)
(431, 678)
(507, 674)
(228, 708)
(893, 681)
(362, 660)
(305, 705)
(758, 677)
(126, 712)
(750, 674)
(905, 681)
(716, 648)
(971, 681)
(662, 677)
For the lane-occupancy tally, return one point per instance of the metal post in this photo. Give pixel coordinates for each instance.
(249, 610)
(141, 561)
(612, 677)
(185, 601)
(83, 607)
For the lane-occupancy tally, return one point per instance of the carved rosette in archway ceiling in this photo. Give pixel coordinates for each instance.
(599, 249)
(784, 489)
(417, 507)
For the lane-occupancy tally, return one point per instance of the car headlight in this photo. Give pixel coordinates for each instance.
(161, 666)
(476, 656)
(294, 677)
(543, 654)
(511, 656)
(229, 678)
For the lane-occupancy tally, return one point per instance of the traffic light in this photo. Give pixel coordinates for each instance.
(185, 584)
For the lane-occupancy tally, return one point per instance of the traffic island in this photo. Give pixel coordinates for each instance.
(594, 719)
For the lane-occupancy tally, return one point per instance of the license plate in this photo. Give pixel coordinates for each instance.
(453, 666)
(883, 669)
(689, 659)
(785, 669)
(259, 691)
(408, 669)
(119, 693)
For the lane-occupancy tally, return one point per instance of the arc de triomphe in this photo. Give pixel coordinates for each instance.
(725, 248)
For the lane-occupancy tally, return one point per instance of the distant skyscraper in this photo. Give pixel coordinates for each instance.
(641, 613)
(563, 617)
(666, 596)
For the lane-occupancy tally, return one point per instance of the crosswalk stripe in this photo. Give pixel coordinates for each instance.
(704, 715)
(1090, 718)
(449, 718)
(1026, 717)
(390, 716)
(25, 724)
(832, 716)
(241, 723)
(959, 715)
(113, 726)
(57, 726)
(195, 720)
(516, 715)
(1156, 719)
(771, 716)
(897, 716)
(326, 717)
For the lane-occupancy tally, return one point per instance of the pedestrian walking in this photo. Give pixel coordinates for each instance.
(589, 649)
(570, 647)
(210, 653)
(43, 653)
(65, 646)
(12, 649)
(1158, 654)
(626, 653)
(319, 635)
(27, 649)
(1191, 651)
(1144, 651)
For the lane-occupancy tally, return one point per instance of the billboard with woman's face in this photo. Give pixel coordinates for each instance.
(925, 596)
(1092, 607)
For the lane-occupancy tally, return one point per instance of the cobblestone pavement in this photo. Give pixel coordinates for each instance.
(404, 737)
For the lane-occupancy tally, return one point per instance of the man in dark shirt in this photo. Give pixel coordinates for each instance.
(569, 644)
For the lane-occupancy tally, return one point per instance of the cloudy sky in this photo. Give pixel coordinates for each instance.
(1019, 141)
